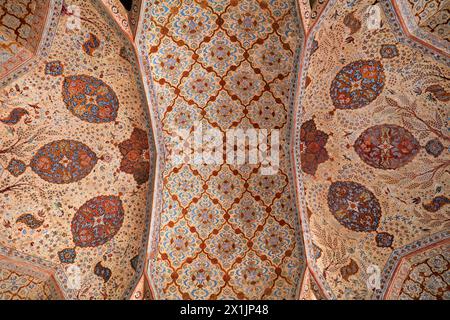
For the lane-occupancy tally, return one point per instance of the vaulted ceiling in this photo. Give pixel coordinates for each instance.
(92, 95)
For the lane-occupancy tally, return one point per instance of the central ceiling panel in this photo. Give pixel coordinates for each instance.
(223, 230)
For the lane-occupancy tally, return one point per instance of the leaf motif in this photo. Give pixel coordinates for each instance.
(349, 270)
(413, 186)
(438, 119)
(392, 102)
(103, 272)
(389, 179)
(412, 106)
(14, 116)
(438, 92)
(427, 184)
(352, 22)
(417, 125)
(423, 134)
(404, 100)
(435, 224)
(379, 108)
(407, 124)
(30, 221)
(425, 177)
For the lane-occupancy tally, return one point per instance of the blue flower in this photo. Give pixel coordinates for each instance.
(388, 51)
(54, 68)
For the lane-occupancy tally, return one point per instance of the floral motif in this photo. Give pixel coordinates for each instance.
(434, 147)
(91, 44)
(223, 110)
(136, 156)
(384, 239)
(220, 53)
(205, 215)
(54, 68)
(436, 204)
(389, 51)
(226, 246)
(228, 187)
(350, 269)
(16, 167)
(201, 278)
(97, 221)
(185, 185)
(63, 161)
(265, 112)
(247, 21)
(200, 84)
(252, 276)
(246, 215)
(266, 187)
(245, 83)
(426, 278)
(386, 146)
(312, 147)
(14, 116)
(357, 84)
(67, 255)
(273, 241)
(180, 242)
(193, 23)
(30, 221)
(270, 60)
(170, 62)
(354, 206)
(90, 99)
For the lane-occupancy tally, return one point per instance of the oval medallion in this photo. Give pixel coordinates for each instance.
(97, 221)
(63, 161)
(357, 84)
(90, 99)
(354, 206)
(386, 146)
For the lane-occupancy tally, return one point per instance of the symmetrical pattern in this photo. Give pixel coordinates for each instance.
(426, 22)
(428, 279)
(20, 281)
(74, 186)
(419, 270)
(26, 30)
(432, 16)
(17, 286)
(225, 231)
(381, 125)
(356, 207)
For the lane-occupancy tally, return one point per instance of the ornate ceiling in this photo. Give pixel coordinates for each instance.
(76, 162)
(92, 101)
(25, 29)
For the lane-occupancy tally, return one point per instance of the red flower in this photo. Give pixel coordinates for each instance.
(44, 163)
(313, 152)
(135, 156)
